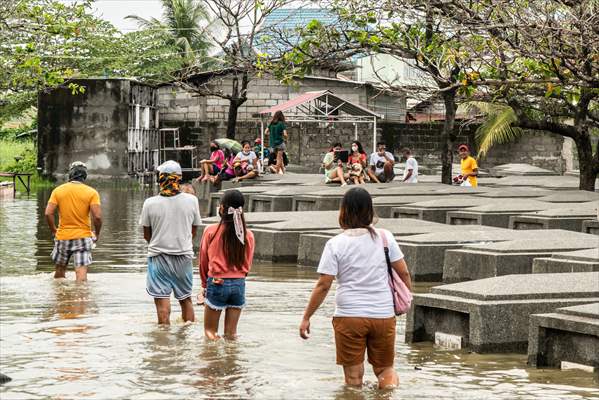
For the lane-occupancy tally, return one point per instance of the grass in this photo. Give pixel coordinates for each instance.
(11, 148)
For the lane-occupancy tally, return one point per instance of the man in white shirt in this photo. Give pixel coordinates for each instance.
(410, 174)
(381, 164)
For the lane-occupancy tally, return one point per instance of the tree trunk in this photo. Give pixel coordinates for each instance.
(448, 136)
(232, 118)
(586, 164)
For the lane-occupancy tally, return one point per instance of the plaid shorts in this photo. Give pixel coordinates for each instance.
(80, 249)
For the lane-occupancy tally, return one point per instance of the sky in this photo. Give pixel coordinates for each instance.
(115, 11)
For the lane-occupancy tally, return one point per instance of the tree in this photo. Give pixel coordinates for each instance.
(45, 43)
(186, 23)
(240, 23)
(541, 60)
(408, 29)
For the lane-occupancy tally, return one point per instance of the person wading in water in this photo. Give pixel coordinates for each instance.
(226, 255)
(74, 201)
(364, 319)
(170, 222)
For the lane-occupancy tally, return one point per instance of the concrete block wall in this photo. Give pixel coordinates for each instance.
(541, 149)
(89, 127)
(178, 104)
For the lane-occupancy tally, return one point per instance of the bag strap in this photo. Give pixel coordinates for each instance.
(386, 249)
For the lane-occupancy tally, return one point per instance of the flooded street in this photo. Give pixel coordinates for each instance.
(100, 340)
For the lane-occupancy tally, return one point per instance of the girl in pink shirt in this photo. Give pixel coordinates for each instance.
(214, 165)
(226, 255)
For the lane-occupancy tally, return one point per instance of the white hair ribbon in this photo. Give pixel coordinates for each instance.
(238, 222)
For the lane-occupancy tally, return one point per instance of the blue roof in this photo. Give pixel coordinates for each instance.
(293, 18)
(288, 21)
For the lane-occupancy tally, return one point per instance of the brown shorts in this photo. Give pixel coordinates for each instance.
(354, 335)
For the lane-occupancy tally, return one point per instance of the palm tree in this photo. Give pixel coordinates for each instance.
(187, 22)
(497, 126)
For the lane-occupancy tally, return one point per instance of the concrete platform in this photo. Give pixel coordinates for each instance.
(436, 210)
(548, 182)
(497, 213)
(492, 315)
(570, 218)
(569, 334)
(522, 193)
(575, 261)
(276, 199)
(503, 258)
(384, 205)
(310, 246)
(591, 227)
(425, 254)
(520, 170)
(247, 191)
(570, 196)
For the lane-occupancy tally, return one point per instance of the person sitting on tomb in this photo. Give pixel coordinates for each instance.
(258, 150)
(212, 166)
(228, 171)
(333, 166)
(411, 172)
(381, 165)
(357, 163)
(272, 161)
(245, 163)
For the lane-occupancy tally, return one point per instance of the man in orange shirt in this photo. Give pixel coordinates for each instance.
(74, 237)
(468, 165)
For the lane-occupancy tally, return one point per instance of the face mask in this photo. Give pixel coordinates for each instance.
(354, 148)
(246, 153)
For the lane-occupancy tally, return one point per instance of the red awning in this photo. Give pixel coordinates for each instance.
(302, 98)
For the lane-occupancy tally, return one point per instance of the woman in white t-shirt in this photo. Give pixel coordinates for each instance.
(364, 316)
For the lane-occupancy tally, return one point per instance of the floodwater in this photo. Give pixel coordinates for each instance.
(99, 340)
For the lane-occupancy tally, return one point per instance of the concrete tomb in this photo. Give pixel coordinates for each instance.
(519, 169)
(425, 254)
(570, 196)
(436, 210)
(502, 258)
(574, 261)
(570, 218)
(591, 227)
(497, 213)
(311, 245)
(492, 315)
(247, 191)
(564, 336)
(548, 182)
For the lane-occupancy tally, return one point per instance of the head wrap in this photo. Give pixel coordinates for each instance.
(169, 184)
(238, 222)
(77, 171)
(463, 146)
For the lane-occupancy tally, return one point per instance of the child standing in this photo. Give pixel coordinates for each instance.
(226, 255)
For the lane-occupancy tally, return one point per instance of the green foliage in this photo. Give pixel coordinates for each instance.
(48, 42)
(497, 127)
(183, 26)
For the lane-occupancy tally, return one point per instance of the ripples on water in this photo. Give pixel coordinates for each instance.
(100, 340)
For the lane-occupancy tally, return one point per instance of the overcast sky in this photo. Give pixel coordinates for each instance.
(115, 11)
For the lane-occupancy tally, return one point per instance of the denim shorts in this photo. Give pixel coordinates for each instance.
(231, 293)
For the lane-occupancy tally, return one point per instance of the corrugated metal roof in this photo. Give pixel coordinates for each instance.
(334, 101)
(293, 18)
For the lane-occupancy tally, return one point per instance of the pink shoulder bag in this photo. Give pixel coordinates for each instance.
(402, 297)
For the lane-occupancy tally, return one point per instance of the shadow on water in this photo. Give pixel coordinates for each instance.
(99, 340)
